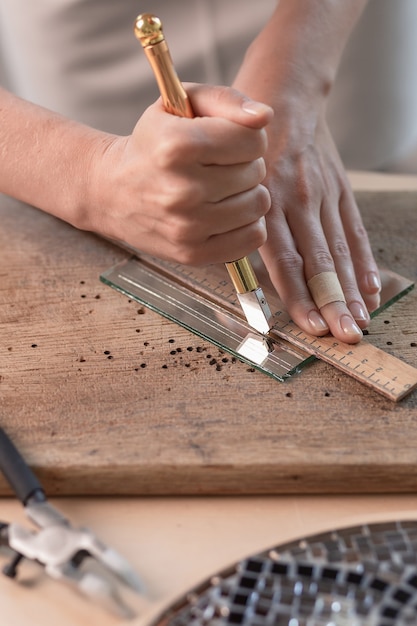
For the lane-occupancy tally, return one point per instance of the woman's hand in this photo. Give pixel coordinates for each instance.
(315, 226)
(187, 190)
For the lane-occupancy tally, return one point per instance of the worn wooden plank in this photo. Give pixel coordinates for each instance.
(105, 397)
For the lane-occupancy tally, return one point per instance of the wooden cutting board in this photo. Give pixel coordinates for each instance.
(103, 396)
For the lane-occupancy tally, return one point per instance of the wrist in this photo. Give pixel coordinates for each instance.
(295, 58)
(93, 192)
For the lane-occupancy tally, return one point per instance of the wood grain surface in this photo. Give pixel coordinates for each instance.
(103, 396)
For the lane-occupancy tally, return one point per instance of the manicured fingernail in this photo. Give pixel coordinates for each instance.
(376, 302)
(348, 326)
(374, 282)
(316, 321)
(255, 108)
(358, 311)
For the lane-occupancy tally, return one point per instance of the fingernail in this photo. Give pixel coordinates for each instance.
(255, 108)
(348, 326)
(376, 303)
(358, 311)
(316, 321)
(374, 282)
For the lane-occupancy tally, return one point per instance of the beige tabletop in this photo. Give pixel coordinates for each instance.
(175, 542)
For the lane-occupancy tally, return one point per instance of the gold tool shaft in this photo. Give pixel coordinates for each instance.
(148, 30)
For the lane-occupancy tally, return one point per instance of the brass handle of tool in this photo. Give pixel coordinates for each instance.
(148, 30)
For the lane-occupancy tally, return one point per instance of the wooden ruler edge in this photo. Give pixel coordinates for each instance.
(357, 360)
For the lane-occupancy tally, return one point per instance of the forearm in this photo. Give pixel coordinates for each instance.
(45, 159)
(299, 51)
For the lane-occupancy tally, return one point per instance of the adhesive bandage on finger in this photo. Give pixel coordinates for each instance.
(325, 288)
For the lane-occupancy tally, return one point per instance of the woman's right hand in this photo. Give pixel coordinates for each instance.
(187, 190)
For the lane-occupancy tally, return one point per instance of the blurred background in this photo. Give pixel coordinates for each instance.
(80, 57)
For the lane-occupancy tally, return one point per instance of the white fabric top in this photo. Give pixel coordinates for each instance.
(80, 57)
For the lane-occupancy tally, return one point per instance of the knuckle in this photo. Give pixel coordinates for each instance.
(167, 153)
(182, 195)
(261, 169)
(341, 249)
(264, 199)
(250, 144)
(258, 235)
(352, 295)
(257, 202)
(258, 140)
(361, 233)
(306, 191)
(245, 240)
(185, 257)
(180, 233)
(190, 255)
(288, 263)
(172, 148)
(306, 195)
(322, 260)
(263, 140)
(260, 202)
(222, 93)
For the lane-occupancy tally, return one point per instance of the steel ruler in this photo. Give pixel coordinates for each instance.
(203, 300)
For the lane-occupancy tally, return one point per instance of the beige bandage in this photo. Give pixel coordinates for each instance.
(325, 288)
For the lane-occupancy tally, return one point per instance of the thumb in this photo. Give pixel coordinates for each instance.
(228, 103)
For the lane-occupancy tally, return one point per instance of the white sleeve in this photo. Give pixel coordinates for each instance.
(80, 58)
(373, 108)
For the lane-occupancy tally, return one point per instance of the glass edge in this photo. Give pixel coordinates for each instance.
(290, 373)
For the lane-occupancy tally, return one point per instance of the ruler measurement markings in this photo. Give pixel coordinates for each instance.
(364, 347)
(357, 354)
(335, 353)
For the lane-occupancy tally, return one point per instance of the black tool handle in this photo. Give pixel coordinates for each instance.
(17, 472)
(4, 534)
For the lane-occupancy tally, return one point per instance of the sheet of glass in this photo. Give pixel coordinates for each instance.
(203, 301)
(204, 318)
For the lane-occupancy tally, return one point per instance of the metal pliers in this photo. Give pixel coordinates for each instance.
(57, 546)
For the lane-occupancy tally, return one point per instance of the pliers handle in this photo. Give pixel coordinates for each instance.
(58, 546)
(17, 472)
